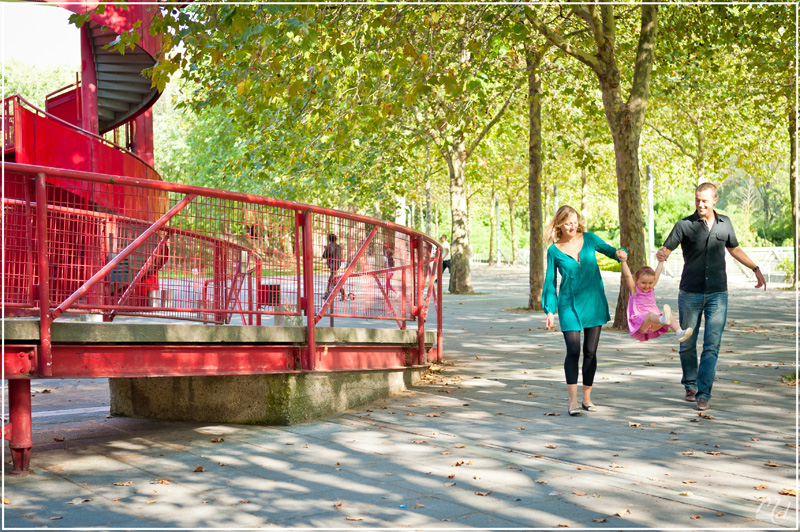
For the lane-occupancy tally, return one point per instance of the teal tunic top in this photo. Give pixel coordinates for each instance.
(581, 299)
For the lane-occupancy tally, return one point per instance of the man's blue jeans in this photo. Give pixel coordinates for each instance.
(692, 308)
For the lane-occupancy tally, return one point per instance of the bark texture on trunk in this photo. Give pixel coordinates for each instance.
(512, 207)
(492, 227)
(793, 181)
(535, 211)
(460, 278)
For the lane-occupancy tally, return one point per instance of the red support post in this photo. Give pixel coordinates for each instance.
(45, 353)
(421, 266)
(19, 414)
(309, 357)
(439, 302)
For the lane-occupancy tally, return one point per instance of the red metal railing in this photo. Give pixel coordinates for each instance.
(166, 250)
(16, 103)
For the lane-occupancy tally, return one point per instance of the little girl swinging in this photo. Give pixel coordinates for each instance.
(645, 322)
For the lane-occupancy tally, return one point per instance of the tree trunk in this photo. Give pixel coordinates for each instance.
(793, 180)
(626, 134)
(460, 279)
(700, 160)
(585, 195)
(428, 206)
(512, 207)
(535, 214)
(492, 226)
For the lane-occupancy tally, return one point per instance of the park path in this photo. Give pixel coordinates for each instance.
(483, 442)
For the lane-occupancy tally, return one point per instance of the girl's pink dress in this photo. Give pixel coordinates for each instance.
(639, 305)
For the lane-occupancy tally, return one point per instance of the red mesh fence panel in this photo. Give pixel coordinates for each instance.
(220, 259)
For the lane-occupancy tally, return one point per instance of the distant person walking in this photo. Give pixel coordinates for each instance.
(704, 236)
(580, 300)
(333, 257)
(445, 253)
(645, 322)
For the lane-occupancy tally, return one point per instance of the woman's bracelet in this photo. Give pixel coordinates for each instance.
(756, 269)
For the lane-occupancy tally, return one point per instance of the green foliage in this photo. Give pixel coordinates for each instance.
(786, 267)
(34, 83)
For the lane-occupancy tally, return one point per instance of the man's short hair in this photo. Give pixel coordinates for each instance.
(706, 186)
(443, 237)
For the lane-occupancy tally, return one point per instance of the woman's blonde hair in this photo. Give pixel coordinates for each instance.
(553, 230)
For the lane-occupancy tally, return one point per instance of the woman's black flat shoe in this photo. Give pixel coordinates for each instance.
(588, 408)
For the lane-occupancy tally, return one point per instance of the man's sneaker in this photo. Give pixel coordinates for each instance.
(686, 335)
(690, 395)
(702, 404)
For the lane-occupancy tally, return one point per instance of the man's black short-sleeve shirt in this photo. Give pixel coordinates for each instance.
(703, 252)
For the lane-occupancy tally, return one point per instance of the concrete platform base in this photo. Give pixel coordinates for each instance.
(278, 399)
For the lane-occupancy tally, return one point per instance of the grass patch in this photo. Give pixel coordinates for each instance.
(790, 379)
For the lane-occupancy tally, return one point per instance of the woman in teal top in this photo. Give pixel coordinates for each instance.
(580, 301)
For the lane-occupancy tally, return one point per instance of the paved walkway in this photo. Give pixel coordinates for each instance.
(484, 443)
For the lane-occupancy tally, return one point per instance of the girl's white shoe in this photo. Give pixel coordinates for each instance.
(666, 317)
(685, 336)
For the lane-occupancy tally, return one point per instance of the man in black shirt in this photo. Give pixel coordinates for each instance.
(704, 237)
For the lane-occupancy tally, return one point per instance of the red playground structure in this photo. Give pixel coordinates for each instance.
(91, 233)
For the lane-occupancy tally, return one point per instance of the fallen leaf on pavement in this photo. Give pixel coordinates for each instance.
(459, 463)
(338, 505)
(689, 482)
(792, 493)
(419, 441)
(599, 520)
(151, 501)
(199, 469)
(483, 493)
(720, 514)
(446, 452)
(755, 439)
(705, 416)
(162, 481)
(541, 482)
(449, 484)
(515, 467)
(453, 475)
(618, 466)
(623, 513)
(354, 518)
(79, 500)
(126, 483)
(433, 415)
(696, 517)
(418, 505)
(460, 446)
(56, 518)
(694, 420)
(6, 501)
(551, 446)
(713, 453)
(579, 493)
(770, 463)
(760, 487)
(217, 440)
(520, 428)
(552, 414)
(58, 439)
(687, 494)
(564, 525)
(633, 424)
(688, 453)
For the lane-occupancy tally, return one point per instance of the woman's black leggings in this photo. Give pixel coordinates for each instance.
(591, 337)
